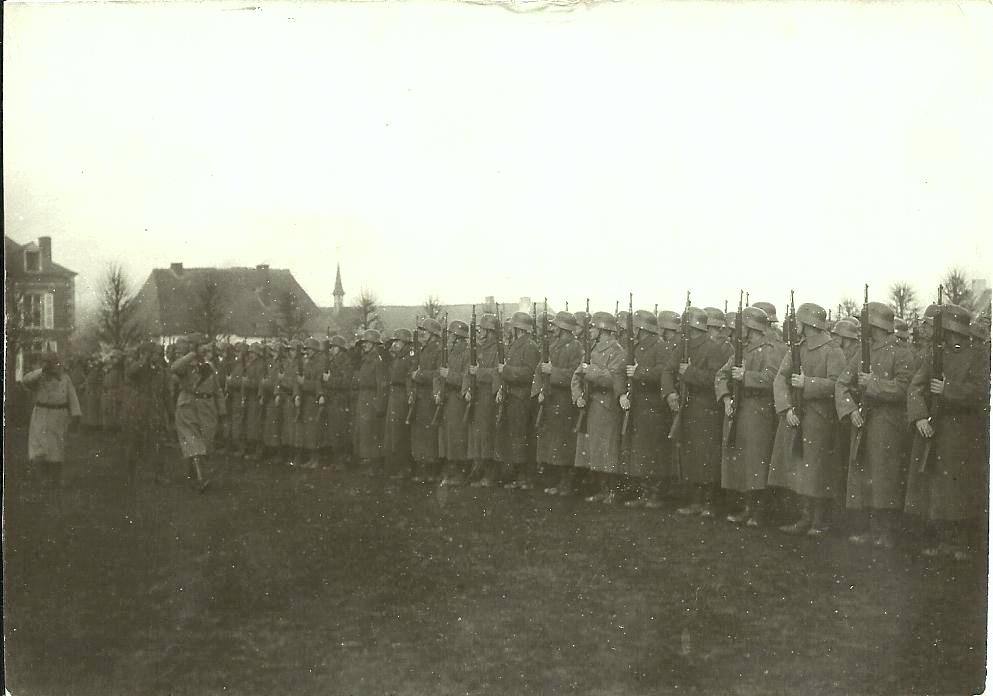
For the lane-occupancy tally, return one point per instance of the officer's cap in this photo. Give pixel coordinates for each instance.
(901, 328)
(957, 319)
(459, 328)
(371, 336)
(403, 335)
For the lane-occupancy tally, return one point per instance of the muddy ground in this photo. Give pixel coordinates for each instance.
(286, 581)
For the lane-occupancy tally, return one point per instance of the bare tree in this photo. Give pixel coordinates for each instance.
(903, 299)
(432, 307)
(209, 312)
(849, 307)
(957, 289)
(118, 325)
(292, 316)
(368, 310)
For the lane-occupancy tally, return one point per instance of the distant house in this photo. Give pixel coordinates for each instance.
(251, 298)
(40, 301)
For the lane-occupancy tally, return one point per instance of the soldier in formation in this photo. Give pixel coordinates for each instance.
(876, 435)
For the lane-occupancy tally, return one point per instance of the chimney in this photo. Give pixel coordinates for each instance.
(525, 304)
(176, 268)
(45, 245)
(490, 303)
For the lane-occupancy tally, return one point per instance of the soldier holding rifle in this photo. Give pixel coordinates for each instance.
(872, 395)
(744, 387)
(803, 455)
(483, 421)
(424, 435)
(599, 448)
(699, 427)
(515, 433)
(948, 404)
(647, 462)
(556, 439)
(396, 438)
(455, 430)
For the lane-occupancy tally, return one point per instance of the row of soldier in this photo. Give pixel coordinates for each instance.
(559, 398)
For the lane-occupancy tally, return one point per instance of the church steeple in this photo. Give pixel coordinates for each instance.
(339, 292)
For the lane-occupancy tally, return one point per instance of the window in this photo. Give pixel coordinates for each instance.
(32, 261)
(39, 310)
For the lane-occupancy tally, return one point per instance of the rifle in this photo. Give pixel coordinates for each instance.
(793, 341)
(298, 401)
(467, 416)
(546, 380)
(415, 353)
(587, 356)
(864, 366)
(444, 363)
(501, 356)
(676, 430)
(739, 386)
(933, 401)
(629, 346)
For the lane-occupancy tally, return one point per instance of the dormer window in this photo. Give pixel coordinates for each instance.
(32, 261)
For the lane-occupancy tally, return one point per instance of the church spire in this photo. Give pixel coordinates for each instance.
(339, 292)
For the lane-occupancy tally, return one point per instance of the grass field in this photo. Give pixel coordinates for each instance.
(283, 581)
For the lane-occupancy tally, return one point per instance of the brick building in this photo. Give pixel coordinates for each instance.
(39, 301)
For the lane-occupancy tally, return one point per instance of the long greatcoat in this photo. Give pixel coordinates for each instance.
(424, 437)
(310, 428)
(338, 414)
(455, 430)
(556, 439)
(812, 469)
(483, 419)
(745, 467)
(91, 392)
(111, 396)
(274, 392)
(144, 415)
(956, 481)
(516, 432)
(55, 402)
(199, 405)
(599, 449)
(396, 438)
(371, 380)
(701, 420)
(648, 450)
(251, 429)
(876, 478)
(237, 399)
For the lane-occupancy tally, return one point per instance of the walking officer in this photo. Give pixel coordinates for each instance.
(396, 437)
(312, 403)
(198, 409)
(372, 382)
(337, 380)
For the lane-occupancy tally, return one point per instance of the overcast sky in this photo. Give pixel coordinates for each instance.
(466, 150)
